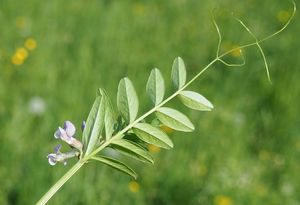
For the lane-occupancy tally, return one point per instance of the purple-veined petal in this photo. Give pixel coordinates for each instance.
(65, 137)
(69, 128)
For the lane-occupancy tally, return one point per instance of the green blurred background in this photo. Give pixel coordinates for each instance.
(55, 54)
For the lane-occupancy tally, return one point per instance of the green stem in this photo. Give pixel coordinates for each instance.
(59, 183)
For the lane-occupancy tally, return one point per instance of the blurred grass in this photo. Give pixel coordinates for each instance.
(244, 152)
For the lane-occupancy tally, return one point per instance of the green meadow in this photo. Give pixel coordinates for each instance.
(54, 55)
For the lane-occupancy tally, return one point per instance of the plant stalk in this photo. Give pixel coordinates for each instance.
(60, 182)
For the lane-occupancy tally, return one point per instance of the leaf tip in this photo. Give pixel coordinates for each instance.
(178, 58)
(210, 107)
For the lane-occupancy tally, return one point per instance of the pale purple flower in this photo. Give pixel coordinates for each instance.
(57, 156)
(67, 135)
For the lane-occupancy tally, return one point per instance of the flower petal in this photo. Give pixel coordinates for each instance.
(64, 136)
(57, 148)
(83, 125)
(69, 128)
(57, 134)
(52, 159)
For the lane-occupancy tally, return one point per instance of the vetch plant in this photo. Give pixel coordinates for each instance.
(127, 133)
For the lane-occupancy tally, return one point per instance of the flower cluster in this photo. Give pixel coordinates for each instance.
(21, 54)
(66, 134)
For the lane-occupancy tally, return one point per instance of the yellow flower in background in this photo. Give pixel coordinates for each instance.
(166, 129)
(16, 60)
(222, 200)
(153, 149)
(237, 52)
(30, 44)
(283, 16)
(133, 186)
(234, 53)
(19, 56)
(22, 53)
